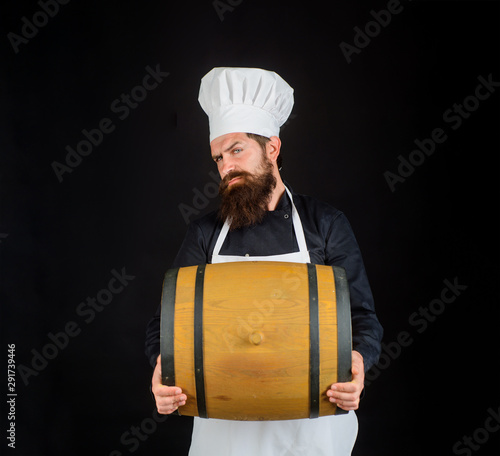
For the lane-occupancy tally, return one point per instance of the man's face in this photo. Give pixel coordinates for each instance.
(247, 181)
(235, 152)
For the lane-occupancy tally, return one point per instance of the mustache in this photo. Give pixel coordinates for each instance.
(230, 176)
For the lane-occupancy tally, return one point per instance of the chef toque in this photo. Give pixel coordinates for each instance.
(245, 100)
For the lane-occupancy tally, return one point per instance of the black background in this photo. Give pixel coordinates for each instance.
(121, 206)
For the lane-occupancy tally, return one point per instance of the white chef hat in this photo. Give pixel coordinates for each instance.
(246, 100)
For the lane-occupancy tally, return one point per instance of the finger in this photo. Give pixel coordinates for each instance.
(357, 365)
(355, 384)
(345, 392)
(170, 399)
(156, 379)
(347, 405)
(344, 396)
(345, 400)
(349, 387)
(164, 390)
(167, 410)
(168, 391)
(168, 405)
(168, 402)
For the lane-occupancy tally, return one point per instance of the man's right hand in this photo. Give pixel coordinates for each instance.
(168, 398)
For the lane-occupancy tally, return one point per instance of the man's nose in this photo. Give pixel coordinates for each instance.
(228, 165)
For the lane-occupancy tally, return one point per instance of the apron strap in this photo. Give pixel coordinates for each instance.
(221, 239)
(297, 225)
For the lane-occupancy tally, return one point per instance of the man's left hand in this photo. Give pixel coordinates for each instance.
(346, 395)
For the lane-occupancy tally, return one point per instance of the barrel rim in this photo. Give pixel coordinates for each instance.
(314, 348)
(344, 329)
(199, 369)
(167, 327)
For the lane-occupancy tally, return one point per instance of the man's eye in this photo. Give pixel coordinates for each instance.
(237, 151)
(217, 159)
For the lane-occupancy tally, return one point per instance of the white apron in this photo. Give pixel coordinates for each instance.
(324, 436)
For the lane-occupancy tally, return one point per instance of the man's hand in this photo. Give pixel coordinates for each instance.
(168, 398)
(346, 395)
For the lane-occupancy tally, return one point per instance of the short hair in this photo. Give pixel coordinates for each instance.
(262, 141)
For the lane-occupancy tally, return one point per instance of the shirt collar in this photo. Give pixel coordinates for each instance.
(284, 203)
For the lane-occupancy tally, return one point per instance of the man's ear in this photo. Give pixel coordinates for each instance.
(273, 148)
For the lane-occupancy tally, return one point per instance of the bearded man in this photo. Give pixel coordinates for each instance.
(262, 219)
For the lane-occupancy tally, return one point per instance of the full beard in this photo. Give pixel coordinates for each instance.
(245, 202)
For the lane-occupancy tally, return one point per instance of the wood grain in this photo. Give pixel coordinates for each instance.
(256, 340)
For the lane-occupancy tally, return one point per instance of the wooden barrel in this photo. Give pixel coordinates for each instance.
(256, 340)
